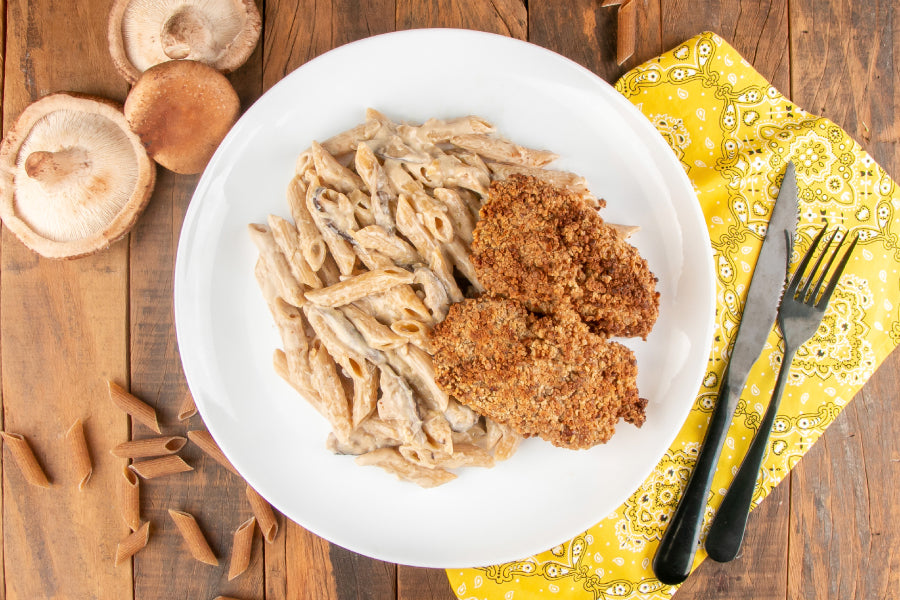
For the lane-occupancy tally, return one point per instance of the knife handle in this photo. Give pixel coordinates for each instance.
(675, 555)
(726, 533)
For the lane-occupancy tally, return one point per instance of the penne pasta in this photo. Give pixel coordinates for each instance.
(311, 242)
(161, 467)
(265, 516)
(333, 214)
(393, 462)
(359, 286)
(188, 409)
(415, 332)
(287, 238)
(276, 266)
(376, 335)
(155, 446)
(324, 377)
(347, 141)
(133, 543)
(436, 298)
(25, 459)
(241, 548)
(375, 237)
(458, 212)
(128, 492)
(203, 440)
(80, 455)
(502, 150)
(332, 173)
(192, 535)
(139, 410)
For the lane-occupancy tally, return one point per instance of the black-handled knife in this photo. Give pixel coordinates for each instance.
(675, 555)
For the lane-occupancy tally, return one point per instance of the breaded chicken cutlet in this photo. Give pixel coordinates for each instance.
(542, 375)
(548, 248)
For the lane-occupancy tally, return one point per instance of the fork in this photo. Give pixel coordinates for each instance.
(799, 316)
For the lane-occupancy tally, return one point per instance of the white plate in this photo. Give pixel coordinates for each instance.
(543, 495)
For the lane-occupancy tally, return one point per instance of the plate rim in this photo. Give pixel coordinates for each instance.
(650, 137)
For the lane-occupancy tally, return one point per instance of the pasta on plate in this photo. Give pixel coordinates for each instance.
(376, 250)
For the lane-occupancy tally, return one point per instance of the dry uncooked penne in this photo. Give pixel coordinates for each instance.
(139, 410)
(133, 543)
(193, 537)
(206, 443)
(265, 516)
(188, 409)
(26, 460)
(80, 455)
(128, 491)
(160, 467)
(241, 548)
(155, 446)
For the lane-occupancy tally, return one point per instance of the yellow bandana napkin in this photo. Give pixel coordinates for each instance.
(733, 133)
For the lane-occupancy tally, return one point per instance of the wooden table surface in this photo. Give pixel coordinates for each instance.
(831, 530)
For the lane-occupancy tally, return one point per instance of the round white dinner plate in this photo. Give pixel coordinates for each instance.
(543, 495)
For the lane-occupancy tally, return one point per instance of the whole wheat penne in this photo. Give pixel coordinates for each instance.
(392, 461)
(624, 231)
(276, 264)
(241, 548)
(417, 367)
(365, 393)
(503, 150)
(161, 467)
(564, 179)
(359, 286)
(434, 216)
(80, 455)
(332, 173)
(436, 298)
(265, 516)
(128, 492)
(362, 208)
(288, 240)
(292, 330)
(301, 382)
(192, 535)
(380, 192)
(414, 331)
(188, 409)
(375, 237)
(376, 334)
(310, 237)
(333, 214)
(133, 543)
(139, 410)
(324, 377)
(25, 459)
(458, 212)
(205, 442)
(409, 225)
(155, 446)
(346, 141)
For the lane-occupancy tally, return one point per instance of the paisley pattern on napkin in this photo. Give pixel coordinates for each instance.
(733, 133)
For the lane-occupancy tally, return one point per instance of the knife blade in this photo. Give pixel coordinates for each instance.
(675, 555)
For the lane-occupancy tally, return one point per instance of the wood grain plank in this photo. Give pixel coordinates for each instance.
(304, 565)
(423, 584)
(846, 503)
(506, 17)
(63, 332)
(592, 43)
(296, 31)
(3, 129)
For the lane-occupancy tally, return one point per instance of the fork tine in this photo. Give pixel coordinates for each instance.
(824, 272)
(826, 295)
(801, 268)
(804, 291)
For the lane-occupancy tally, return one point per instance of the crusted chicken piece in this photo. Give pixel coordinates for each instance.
(548, 376)
(546, 247)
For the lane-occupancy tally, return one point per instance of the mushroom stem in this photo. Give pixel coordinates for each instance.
(187, 35)
(49, 168)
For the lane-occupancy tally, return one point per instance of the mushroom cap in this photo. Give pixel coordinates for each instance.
(220, 33)
(73, 177)
(182, 110)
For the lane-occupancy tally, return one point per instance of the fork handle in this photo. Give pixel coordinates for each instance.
(675, 555)
(723, 542)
